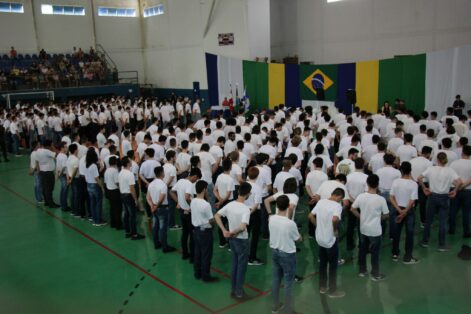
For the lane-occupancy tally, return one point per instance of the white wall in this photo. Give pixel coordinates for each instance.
(352, 30)
(259, 28)
(18, 30)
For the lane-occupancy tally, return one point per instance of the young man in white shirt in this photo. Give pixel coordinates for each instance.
(463, 198)
(253, 202)
(127, 188)
(34, 171)
(182, 193)
(419, 165)
(61, 174)
(73, 178)
(238, 216)
(171, 179)
(46, 161)
(283, 234)
(224, 192)
(406, 152)
(403, 196)
(326, 217)
(202, 220)
(112, 193)
(158, 203)
(370, 208)
(441, 179)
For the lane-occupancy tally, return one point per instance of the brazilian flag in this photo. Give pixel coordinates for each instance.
(318, 76)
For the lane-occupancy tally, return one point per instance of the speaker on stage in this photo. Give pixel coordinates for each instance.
(351, 96)
(320, 93)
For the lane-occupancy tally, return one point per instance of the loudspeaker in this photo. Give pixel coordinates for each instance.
(320, 93)
(351, 96)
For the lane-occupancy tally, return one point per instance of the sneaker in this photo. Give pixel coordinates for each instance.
(277, 309)
(101, 224)
(443, 249)
(298, 278)
(424, 244)
(363, 274)
(255, 262)
(127, 235)
(411, 261)
(336, 294)
(378, 277)
(169, 249)
(395, 258)
(422, 225)
(323, 290)
(176, 227)
(137, 236)
(221, 246)
(341, 261)
(185, 256)
(211, 279)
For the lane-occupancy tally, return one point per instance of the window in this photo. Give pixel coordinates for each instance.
(102, 11)
(11, 7)
(151, 11)
(62, 9)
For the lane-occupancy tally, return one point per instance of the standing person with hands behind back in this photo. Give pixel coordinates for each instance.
(238, 216)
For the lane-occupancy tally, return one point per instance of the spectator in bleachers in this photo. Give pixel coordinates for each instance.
(13, 53)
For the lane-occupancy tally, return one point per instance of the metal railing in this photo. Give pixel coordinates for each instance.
(128, 77)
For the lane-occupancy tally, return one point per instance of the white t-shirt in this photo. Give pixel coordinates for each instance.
(45, 159)
(293, 200)
(371, 206)
(111, 178)
(280, 180)
(440, 179)
(325, 210)
(463, 168)
(326, 189)
(404, 190)
(255, 196)
(406, 153)
(91, 173)
(236, 213)
(356, 184)
(283, 234)
(170, 171)
(225, 184)
(147, 168)
(125, 179)
(315, 179)
(157, 188)
(183, 187)
(386, 177)
(419, 165)
(201, 213)
(207, 162)
(377, 162)
(72, 164)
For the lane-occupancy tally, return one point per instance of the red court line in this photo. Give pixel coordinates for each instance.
(111, 251)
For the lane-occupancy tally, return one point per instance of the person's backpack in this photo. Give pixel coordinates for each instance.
(465, 253)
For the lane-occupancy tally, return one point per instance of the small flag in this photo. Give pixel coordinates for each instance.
(246, 100)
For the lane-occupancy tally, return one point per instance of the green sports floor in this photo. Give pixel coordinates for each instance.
(51, 263)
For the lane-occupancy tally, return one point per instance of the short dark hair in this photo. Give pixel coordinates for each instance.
(150, 152)
(359, 163)
(372, 181)
(406, 168)
(338, 192)
(158, 171)
(466, 150)
(170, 154)
(290, 185)
(427, 150)
(245, 189)
(113, 161)
(282, 203)
(200, 186)
(318, 162)
(341, 177)
(227, 164)
(389, 159)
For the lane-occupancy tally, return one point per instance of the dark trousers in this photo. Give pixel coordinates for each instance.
(47, 180)
(3, 147)
(437, 203)
(75, 196)
(222, 240)
(187, 234)
(83, 199)
(130, 213)
(264, 220)
(409, 222)
(254, 230)
(374, 246)
(422, 205)
(116, 208)
(352, 223)
(328, 257)
(203, 252)
(461, 201)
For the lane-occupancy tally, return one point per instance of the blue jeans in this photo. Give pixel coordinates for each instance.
(64, 191)
(328, 257)
(374, 244)
(160, 226)
(130, 214)
(391, 219)
(211, 197)
(462, 200)
(75, 196)
(284, 266)
(38, 189)
(437, 203)
(240, 257)
(96, 200)
(15, 144)
(409, 222)
(171, 209)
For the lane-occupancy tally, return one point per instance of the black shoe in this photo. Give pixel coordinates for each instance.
(169, 249)
(211, 279)
(185, 256)
(137, 236)
(467, 236)
(298, 278)
(197, 277)
(158, 246)
(127, 235)
(67, 209)
(54, 206)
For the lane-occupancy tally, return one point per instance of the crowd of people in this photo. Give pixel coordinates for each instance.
(246, 173)
(46, 71)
